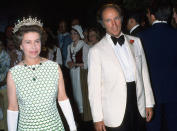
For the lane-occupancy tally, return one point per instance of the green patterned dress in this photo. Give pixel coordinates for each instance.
(37, 89)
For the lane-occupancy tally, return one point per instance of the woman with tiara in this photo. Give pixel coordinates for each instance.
(35, 84)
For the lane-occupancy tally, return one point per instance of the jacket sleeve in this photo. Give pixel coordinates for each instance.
(94, 84)
(146, 80)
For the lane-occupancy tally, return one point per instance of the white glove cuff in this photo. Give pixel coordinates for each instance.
(12, 118)
(68, 113)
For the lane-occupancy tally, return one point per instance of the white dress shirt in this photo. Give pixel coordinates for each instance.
(157, 21)
(124, 58)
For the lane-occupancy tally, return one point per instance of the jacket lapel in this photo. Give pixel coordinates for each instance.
(132, 52)
(112, 54)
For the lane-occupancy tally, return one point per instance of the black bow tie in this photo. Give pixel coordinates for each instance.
(120, 40)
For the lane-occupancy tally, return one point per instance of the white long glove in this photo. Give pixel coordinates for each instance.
(12, 118)
(68, 113)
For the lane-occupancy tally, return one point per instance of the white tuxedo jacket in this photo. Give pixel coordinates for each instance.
(107, 85)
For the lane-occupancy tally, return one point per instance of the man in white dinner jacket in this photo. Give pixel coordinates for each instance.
(120, 92)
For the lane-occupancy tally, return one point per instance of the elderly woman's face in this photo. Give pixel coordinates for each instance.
(175, 15)
(74, 35)
(31, 44)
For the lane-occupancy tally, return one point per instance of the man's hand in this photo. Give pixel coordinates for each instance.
(99, 126)
(70, 64)
(149, 114)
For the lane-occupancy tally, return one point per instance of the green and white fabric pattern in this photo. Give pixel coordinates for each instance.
(37, 89)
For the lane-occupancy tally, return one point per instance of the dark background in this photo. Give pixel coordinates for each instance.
(50, 11)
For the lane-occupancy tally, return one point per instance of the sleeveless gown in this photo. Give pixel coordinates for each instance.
(37, 90)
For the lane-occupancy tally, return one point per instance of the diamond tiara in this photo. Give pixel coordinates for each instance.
(28, 21)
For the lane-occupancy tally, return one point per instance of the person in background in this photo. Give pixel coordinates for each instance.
(93, 38)
(75, 21)
(54, 52)
(174, 19)
(120, 93)
(15, 54)
(8, 31)
(4, 67)
(85, 33)
(160, 45)
(133, 23)
(74, 62)
(35, 84)
(64, 39)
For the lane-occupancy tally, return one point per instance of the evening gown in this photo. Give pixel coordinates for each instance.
(37, 90)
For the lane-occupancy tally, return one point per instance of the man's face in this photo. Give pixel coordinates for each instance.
(62, 27)
(148, 14)
(129, 24)
(175, 16)
(112, 21)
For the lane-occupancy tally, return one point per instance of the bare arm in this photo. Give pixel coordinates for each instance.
(12, 111)
(11, 93)
(65, 104)
(61, 87)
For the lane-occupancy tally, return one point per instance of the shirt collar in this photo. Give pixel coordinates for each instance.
(158, 21)
(108, 37)
(134, 28)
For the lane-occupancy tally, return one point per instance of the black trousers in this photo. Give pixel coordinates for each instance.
(132, 120)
